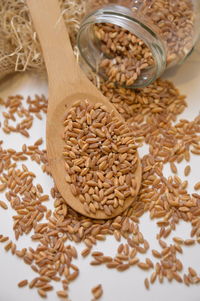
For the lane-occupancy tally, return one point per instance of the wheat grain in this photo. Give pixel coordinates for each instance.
(106, 190)
(197, 186)
(62, 294)
(146, 283)
(189, 242)
(126, 57)
(187, 170)
(23, 283)
(3, 205)
(97, 291)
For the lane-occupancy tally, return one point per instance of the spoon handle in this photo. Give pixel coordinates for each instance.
(54, 39)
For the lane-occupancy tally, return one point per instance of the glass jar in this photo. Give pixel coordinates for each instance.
(132, 42)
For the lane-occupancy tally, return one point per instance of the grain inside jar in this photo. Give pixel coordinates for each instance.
(131, 43)
(127, 56)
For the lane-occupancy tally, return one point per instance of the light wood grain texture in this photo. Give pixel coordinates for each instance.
(67, 84)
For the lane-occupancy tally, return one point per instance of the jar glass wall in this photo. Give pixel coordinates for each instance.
(132, 42)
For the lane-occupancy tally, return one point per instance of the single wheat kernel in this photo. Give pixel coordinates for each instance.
(97, 291)
(23, 283)
(146, 283)
(187, 170)
(197, 186)
(62, 294)
(3, 205)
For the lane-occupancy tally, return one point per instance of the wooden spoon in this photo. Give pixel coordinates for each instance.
(67, 85)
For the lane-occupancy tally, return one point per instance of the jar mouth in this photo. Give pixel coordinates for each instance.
(123, 17)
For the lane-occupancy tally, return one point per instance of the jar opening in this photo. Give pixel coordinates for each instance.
(111, 42)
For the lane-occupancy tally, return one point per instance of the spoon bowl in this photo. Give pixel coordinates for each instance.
(67, 85)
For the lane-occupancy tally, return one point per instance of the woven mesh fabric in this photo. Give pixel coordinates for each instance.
(6, 62)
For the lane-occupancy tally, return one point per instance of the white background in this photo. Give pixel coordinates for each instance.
(117, 286)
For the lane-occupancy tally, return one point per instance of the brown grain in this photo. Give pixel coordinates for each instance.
(97, 291)
(187, 170)
(189, 242)
(123, 267)
(125, 56)
(4, 238)
(33, 282)
(177, 277)
(73, 275)
(173, 167)
(143, 265)
(3, 205)
(156, 254)
(150, 263)
(3, 186)
(42, 293)
(62, 294)
(186, 280)
(146, 283)
(178, 240)
(153, 277)
(8, 246)
(192, 272)
(134, 261)
(197, 186)
(23, 283)
(107, 189)
(85, 252)
(115, 68)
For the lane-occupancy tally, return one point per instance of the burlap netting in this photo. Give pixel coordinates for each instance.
(19, 46)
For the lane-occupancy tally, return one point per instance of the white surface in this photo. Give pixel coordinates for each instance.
(117, 286)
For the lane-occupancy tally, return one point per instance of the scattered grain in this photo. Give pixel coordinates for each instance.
(197, 186)
(178, 240)
(62, 294)
(187, 170)
(123, 267)
(143, 265)
(164, 198)
(23, 283)
(42, 293)
(97, 291)
(153, 277)
(3, 205)
(146, 283)
(156, 254)
(173, 167)
(192, 272)
(189, 242)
